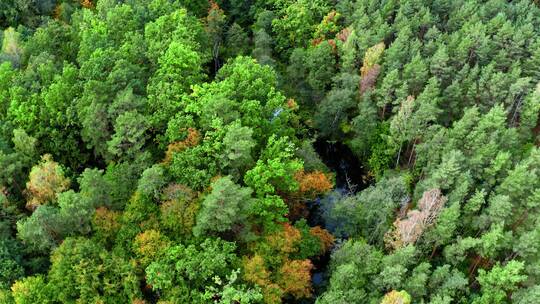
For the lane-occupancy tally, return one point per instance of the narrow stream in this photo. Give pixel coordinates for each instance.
(341, 160)
(349, 174)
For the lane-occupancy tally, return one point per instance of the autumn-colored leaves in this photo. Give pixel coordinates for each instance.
(314, 183)
(274, 268)
(408, 230)
(370, 69)
(46, 182)
(192, 139)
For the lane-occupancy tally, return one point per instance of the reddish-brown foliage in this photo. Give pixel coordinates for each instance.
(178, 191)
(255, 271)
(297, 209)
(369, 78)
(333, 44)
(327, 239)
(214, 19)
(285, 240)
(291, 104)
(316, 41)
(46, 180)
(370, 68)
(192, 139)
(408, 231)
(295, 278)
(343, 35)
(213, 7)
(87, 4)
(314, 183)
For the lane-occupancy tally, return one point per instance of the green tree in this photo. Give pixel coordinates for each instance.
(11, 266)
(238, 149)
(237, 41)
(82, 270)
(151, 181)
(177, 26)
(16, 165)
(275, 169)
(31, 289)
(186, 272)
(262, 41)
(11, 47)
(129, 137)
(179, 69)
(43, 230)
(94, 189)
(499, 281)
(369, 213)
(297, 21)
(46, 181)
(225, 207)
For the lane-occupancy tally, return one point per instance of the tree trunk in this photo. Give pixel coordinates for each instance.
(398, 155)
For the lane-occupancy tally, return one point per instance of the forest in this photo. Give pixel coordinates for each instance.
(269, 151)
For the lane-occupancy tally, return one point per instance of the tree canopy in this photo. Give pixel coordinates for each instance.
(269, 151)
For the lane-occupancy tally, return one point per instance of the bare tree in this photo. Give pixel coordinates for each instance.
(408, 230)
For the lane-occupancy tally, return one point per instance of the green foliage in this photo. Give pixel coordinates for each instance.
(159, 134)
(176, 26)
(178, 216)
(179, 69)
(11, 267)
(352, 266)
(17, 164)
(274, 171)
(238, 145)
(369, 213)
(232, 292)
(11, 48)
(122, 178)
(47, 226)
(312, 161)
(151, 181)
(140, 214)
(237, 41)
(499, 281)
(94, 189)
(129, 136)
(382, 152)
(310, 246)
(262, 41)
(297, 21)
(31, 290)
(227, 206)
(192, 270)
(332, 112)
(83, 271)
(41, 231)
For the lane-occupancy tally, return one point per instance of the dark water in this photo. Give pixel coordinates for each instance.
(341, 160)
(349, 174)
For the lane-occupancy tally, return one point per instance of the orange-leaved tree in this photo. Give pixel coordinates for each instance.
(46, 181)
